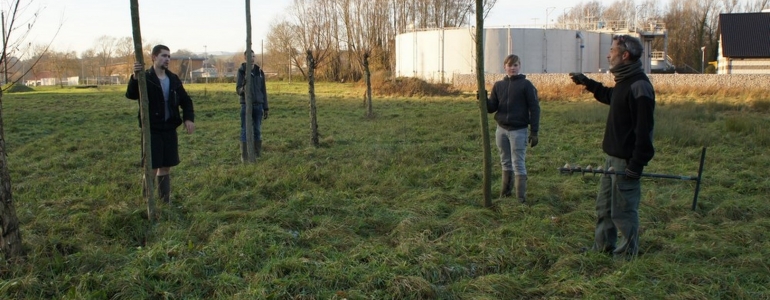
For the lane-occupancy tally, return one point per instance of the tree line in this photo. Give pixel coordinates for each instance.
(108, 57)
(338, 32)
(691, 24)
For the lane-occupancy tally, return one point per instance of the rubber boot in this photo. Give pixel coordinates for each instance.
(257, 148)
(164, 188)
(507, 184)
(521, 188)
(243, 152)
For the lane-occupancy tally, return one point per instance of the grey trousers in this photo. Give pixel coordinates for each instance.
(513, 149)
(617, 206)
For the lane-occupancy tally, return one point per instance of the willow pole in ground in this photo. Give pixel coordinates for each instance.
(144, 110)
(247, 90)
(482, 92)
(311, 92)
(10, 235)
(368, 79)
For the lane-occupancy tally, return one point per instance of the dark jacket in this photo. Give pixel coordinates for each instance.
(515, 100)
(628, 133)
(258, 89)
(177, 98)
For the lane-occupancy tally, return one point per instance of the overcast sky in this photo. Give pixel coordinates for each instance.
(206, 25)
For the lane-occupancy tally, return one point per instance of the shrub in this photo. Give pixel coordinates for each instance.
(16, 88)
(384, 85)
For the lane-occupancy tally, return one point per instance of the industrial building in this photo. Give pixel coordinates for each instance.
(435, 55)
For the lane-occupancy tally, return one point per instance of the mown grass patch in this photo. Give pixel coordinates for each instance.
(387, 208)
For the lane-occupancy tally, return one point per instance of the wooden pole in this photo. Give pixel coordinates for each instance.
(368, 76)
(311, 92)
(149, 177)
(10, 235)
(249, 122)
(487, 188)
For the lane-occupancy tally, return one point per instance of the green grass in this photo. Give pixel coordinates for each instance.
(385, 208)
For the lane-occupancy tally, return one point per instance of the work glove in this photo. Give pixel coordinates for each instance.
(485, 92)
(240, 91)
(633, 175)
(265, 113)
(533, 140)
(578, 78)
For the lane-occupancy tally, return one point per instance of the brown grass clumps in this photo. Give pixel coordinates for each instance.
(384, 85)
(562, 92)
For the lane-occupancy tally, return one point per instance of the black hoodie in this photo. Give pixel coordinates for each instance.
(515, 100)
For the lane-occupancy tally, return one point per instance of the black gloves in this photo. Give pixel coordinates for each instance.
(632, 175)
(485, 92)
(533, 140)
(265, 114)
(578, 78)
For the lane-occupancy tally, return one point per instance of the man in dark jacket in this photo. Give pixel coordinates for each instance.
(627, 143)
(259, 107)
(166, 95)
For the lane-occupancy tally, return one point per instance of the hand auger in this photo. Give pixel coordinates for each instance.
(567, 169)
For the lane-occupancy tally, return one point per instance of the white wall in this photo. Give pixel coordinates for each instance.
(743, 65)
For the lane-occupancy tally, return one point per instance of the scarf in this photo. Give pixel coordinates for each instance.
(623, 71)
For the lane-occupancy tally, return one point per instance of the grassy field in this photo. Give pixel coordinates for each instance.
(386, 208)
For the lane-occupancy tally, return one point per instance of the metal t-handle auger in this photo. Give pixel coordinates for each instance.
(567, 169)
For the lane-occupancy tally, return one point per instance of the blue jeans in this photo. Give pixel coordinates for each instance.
(513, 149)
(617, 211)
(256, 115)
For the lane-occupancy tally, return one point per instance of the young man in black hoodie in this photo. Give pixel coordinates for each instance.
(516, 107)
(166, 96)
(627, 143)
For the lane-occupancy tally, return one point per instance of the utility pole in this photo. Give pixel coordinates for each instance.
(547, 13)
(564, 16)
(206, 62)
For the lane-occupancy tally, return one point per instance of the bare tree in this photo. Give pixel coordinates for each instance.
(691, 26)
(756, 5)
(62, 64)
(583, 16)
(648, 11)
(283, 49)
(222, 64)
(362, 22)
(89, 64)
(314, 18)
(105, 47)
(620, 11)
(182, 53)
(124, 51)
(320, 25)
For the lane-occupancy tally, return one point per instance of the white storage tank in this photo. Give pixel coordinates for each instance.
(436, 54)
